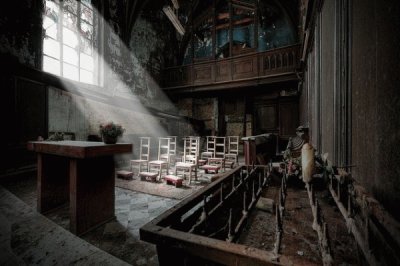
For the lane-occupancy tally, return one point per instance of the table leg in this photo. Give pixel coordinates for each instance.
(92, 193)
(52, 182)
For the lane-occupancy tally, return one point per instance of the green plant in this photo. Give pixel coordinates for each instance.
(111, 129)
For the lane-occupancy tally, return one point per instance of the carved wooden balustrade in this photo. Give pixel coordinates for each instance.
(277, 62)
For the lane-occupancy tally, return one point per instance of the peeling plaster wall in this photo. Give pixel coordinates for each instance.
(205, 109)
(21, 31)
(185, 106)
(66, 111)
(72, 113)
(150, 50)
(135, 67)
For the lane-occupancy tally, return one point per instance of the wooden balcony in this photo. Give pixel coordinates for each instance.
(245, 70)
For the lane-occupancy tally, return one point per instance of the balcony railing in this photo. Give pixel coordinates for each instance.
(245, 67)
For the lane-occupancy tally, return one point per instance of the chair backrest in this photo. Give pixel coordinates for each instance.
(233, 145)
(164, 149)
(220, 147)
(191, 149)
(172, 146)
(211, 145)
(144, 149)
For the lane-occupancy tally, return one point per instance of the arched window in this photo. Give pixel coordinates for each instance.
(69, 43)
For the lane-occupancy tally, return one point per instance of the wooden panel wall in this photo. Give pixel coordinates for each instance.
(351, 96)
(327, 61)
(26, 115)
(376, 99)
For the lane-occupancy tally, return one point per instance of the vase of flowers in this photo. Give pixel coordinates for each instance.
(110, 132)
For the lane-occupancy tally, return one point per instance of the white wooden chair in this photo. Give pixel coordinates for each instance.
(163, 157)
(232, 155)
(210, 150)
(190, 158)
(144, 155)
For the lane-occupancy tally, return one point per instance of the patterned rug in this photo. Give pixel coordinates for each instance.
(161, 188)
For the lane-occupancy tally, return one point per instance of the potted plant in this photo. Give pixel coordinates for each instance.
(110, 132)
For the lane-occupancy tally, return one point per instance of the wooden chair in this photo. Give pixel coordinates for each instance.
(210, 150)
(163, 157)
(172, 151)
(232, 155)
(190, 158)
(144, 155)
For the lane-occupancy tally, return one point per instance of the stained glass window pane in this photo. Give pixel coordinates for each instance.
(52, 10)
(87, 14)
(86, 46)
(70, 38)
(243, 31)
(222, 43)
(87, 30)
(51, 48)
(50, 27)
(86, 62)
(87, 2)
(203, 38)
(70, 20)
(70, 72)
(222, 21)
(51, 65)
(71, 6)
(70, 55)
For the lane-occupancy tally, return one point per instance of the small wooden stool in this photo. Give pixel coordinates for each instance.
(214, 168)
(174, 180)
(148, 176)
(124, 174)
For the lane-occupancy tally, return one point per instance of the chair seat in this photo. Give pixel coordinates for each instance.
(139, 161)
(180, 164)
(158, 162)
(201, 162)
